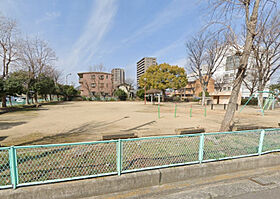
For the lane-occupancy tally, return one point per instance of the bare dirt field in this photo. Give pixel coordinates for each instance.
(89, 121)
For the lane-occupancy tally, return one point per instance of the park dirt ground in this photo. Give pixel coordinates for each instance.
(90, 121)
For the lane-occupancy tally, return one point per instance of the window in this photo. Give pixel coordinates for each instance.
(101, 77)
(224, 88)
(92, 76)
(93, 93)
(93, 85)
(107, 85)
(101, 85)
(229, 88)
(232, 62)
(106, 76)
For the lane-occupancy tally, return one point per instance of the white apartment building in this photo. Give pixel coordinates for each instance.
(227, 72)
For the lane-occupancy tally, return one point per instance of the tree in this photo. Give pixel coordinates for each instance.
(162, 77)
(68, 92)
(130, 82)
(36, 57)
(44, 86)
(140, 93)
(220, 83)
(273, 87)
(266, 50)
(8, 47)
(205, 54)
(1, 87)
(120, 94)
(251, 81)
(13, 86)
(98, 68)
(225, 9)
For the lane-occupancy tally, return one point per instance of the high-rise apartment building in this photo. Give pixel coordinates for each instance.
(143, 65)
(118, 77)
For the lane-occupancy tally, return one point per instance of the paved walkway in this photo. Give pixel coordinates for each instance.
(255, 184)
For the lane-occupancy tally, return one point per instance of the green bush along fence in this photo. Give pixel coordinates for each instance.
(39, 164)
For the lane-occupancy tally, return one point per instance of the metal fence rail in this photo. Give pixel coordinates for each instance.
(39, 164)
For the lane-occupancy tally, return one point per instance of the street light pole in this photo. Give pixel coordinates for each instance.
(145, 90)
(67, 77)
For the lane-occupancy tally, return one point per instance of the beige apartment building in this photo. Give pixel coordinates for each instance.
(143, 65)
(118, 77)
(96, 84)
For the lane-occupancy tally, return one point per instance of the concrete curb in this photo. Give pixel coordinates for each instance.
(126, 182)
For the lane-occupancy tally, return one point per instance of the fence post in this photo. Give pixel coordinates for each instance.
(13, 166)
(119, 156)
(201, 146)
(261, 142)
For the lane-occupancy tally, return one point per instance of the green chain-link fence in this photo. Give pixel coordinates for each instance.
(5, 177)
(38, 164)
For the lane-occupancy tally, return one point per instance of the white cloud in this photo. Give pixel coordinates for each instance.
(48, 17)
(175, 9)
(89, 42)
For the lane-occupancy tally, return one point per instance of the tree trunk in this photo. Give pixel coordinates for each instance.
(203, 97)
(261, 88)
(227, 121)
(27, 98)
(250, 34)
(36, 98)
(10, 100)
(50, 97)
(163, 95)
(4, 101)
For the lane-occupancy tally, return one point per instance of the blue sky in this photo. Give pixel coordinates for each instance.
(116, 33)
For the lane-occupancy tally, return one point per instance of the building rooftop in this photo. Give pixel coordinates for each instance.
(94, 73)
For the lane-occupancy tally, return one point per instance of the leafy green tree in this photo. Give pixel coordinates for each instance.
(121, 94)
(274, 86)
(140, 93)
(1, 87)
(68, 92)
(162, 77)
(206, 94)
(44, 86)
(13, 86)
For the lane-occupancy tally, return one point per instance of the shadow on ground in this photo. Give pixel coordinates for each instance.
(8, 125)
(69, 136)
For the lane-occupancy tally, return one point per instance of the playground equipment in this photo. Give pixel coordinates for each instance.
(269, 101)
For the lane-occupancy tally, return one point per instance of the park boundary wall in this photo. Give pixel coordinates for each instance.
(40, 164)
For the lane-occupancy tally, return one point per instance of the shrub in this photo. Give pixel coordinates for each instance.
(120, 94)
(140, 93)
(206, 94)
(176, 99)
